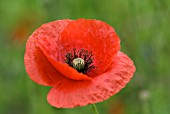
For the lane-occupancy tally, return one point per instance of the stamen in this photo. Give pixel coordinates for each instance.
(81, 60)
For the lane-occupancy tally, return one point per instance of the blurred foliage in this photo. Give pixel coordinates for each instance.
(143, 26)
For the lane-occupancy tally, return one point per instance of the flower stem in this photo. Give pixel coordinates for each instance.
(95, 109)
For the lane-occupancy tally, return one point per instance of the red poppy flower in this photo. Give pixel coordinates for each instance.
(80, 59)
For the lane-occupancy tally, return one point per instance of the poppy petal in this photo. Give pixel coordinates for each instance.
(92, 35)
(63, 68)
(37, 65)
(72, 93)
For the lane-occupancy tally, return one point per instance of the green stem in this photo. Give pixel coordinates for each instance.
(95, 109)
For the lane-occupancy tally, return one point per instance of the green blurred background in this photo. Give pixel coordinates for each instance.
(143, 26)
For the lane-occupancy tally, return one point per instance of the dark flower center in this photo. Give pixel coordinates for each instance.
(81, 60)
